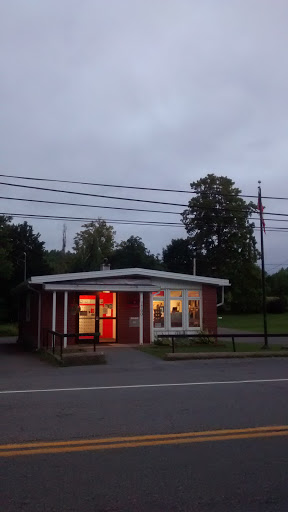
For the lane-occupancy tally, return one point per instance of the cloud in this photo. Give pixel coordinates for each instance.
(151, 93)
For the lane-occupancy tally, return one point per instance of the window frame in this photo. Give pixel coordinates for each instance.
(185, 310)
(178, 299)
(161, 299)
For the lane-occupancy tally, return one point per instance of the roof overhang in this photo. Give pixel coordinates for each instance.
(62, 281)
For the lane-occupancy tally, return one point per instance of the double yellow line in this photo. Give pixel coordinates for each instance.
(110, 443)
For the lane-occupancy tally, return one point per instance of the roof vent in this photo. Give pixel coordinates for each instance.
(105, 265)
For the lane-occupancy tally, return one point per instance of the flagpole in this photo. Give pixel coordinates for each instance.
(265, 346)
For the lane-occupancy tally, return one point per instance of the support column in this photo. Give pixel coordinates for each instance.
(65, 317)
(141, 318)
(54, 312)
(151, 319)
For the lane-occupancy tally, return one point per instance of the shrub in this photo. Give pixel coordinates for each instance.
(276, 305)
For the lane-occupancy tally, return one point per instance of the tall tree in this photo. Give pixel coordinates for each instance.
(6, 265)
(60, 262)
(93, 244)
(15, 240)
(221, 233)
(278, 283)
(178, 256)
(24, 240)
(133, 253)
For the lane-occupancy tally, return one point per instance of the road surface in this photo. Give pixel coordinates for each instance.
(141, 434)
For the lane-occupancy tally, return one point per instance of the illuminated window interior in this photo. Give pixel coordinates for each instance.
(176, 309)
(158, 309)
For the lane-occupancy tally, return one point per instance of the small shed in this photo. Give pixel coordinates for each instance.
(131, 305)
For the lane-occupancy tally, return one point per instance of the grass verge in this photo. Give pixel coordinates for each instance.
(277, 323)
(8, 330)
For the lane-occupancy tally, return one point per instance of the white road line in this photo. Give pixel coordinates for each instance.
(139, 386)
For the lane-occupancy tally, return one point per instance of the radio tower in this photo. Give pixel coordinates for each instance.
(64, 238)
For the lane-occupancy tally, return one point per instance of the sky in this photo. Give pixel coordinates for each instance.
(151, 93)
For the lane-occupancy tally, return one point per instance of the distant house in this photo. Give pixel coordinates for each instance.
(126, 306)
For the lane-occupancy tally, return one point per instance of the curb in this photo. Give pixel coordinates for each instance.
(75, 359)
(183, 356)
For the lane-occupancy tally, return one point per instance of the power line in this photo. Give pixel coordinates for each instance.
(115, 221)
(279, 265)
(117, 198)
(91, 219)
(88, 205)
(134, 187)
(210, 208)
(132, 199)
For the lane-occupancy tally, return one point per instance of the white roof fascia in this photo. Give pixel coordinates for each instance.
(100, 274)
(96, 288)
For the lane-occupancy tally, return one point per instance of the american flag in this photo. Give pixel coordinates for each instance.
(261, 209)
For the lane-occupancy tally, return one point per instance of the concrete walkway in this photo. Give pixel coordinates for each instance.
(282, 340)
(14, 360)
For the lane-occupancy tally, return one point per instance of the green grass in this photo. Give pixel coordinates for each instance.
(8, 330)
(160, 351)
(277, 324)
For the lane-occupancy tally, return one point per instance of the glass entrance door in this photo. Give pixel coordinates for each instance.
(87, 315)
(97, 313)
(107, 316)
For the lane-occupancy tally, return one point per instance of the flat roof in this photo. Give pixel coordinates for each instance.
(143, 272)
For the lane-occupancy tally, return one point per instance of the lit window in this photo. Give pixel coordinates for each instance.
(176, 293)
(176, 309)
(194, 312)
(158, 309)
(193, 294)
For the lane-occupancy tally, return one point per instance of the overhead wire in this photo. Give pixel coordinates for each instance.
(115, 221)
(133, 187)
(206, 208)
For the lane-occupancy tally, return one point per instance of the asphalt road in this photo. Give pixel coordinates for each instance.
(189, 472)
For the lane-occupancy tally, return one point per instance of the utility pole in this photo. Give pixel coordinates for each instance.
(262, 225)
(194, 266)
(25, 266)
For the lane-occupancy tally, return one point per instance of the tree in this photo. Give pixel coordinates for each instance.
(132, 253)
(6, 265)
(221, 234)
(278, 283)
(60, 262)
(17, 239)
(93, 244)
(178, 256)
(24, 240)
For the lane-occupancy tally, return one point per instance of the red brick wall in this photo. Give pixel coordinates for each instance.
(146, 318)
(46, 315)
(72, 320)
(128, 306)
(209, 308)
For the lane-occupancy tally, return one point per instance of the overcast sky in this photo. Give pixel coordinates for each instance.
(152, 93)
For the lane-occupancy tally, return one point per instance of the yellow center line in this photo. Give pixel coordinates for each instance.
(141, 438)
(145, 440)
(189, 440)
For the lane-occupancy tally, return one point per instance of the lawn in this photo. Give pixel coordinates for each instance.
(277, 323)
(8, 330)
(160, 350)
